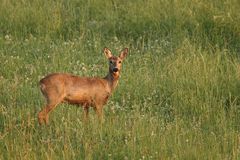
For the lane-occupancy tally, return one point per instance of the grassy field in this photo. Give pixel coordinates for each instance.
(179, 92)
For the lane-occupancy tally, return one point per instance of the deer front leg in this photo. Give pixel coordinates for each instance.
(99, 111)
(86, 112)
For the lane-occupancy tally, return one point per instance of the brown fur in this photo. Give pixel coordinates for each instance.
(85, 91)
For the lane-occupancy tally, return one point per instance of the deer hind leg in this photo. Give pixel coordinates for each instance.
(44, 113)
(53, 99)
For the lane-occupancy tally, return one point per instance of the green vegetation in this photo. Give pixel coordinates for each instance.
(178, 96)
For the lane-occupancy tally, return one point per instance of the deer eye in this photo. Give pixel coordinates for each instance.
(120, 62)
(111, 62)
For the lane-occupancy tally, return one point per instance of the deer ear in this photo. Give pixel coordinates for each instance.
(107, 52)
(123, 53)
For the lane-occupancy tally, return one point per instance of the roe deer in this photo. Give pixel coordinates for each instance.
(61, 87)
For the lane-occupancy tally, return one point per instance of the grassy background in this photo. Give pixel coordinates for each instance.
(178, 96)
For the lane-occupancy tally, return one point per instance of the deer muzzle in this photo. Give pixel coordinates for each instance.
(115, 69)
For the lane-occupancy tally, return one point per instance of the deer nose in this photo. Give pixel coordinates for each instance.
(115, 69)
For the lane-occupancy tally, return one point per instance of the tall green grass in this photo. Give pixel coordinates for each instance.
(178, 95)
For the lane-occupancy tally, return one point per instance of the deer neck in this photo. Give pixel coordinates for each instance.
(112, 80)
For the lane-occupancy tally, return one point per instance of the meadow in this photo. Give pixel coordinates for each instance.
(178, 95)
